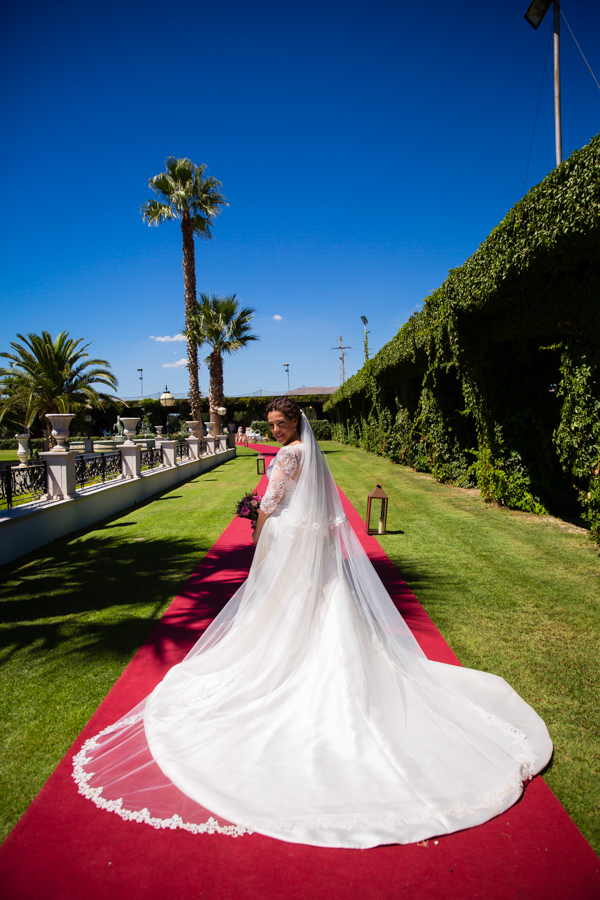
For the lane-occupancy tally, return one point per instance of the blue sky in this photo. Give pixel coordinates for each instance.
(364, 149)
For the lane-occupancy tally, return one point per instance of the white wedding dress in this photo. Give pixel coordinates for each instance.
(307, 710)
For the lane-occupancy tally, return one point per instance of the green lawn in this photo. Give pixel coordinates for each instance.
(513, 594)
(8, 456)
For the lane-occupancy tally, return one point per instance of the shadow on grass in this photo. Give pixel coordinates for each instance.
(105, 594)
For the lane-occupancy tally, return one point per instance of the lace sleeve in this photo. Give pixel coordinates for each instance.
(284, 468)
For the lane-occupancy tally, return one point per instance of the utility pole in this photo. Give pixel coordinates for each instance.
(141, 371)
(342, 349)
(286, 366)
(534, 15)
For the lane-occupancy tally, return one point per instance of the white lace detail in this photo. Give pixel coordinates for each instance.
(285, 466)
(81, 777)
(211, 684)
(527, 758)
(492, 800)
(332, 522)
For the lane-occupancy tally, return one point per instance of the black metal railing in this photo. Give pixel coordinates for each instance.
(22, 484)
(201, 448)
(91, 470)
(152, 458)
(182, 450)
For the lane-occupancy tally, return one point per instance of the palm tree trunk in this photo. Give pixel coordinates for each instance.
(189, 286)
(215, 397)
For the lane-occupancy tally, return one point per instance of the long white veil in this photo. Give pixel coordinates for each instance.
(213, 747)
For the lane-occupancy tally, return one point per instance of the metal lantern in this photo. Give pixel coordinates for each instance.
(260, 464)
(377, 524)
(222, 411)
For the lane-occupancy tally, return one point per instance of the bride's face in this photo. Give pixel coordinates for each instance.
(284, 429)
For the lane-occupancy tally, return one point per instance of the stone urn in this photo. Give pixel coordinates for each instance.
(211, 427)
(195, 429)
(159, 430)
(23, 449)
(60, 423)
(129, 426)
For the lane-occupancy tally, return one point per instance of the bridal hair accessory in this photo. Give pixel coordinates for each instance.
(248, 507)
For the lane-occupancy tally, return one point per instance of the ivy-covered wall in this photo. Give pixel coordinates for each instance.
(497, 380)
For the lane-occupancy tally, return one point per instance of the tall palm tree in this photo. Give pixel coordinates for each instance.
(185, 193)
(224, 326)
(48, 376)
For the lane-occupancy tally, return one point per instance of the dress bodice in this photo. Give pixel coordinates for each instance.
(283, 474)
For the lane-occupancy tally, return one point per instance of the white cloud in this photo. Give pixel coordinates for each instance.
(176, 337)
(176, 365)
(277, 318)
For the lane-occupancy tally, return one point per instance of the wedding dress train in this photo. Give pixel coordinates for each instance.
(307, 710)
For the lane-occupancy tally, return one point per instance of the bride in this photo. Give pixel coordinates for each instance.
(307, 710)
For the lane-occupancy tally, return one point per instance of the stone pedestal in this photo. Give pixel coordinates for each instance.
(193, 447)
(210, 445)
(169, 449)
(61, 473)
(131, 460)
(223, 441)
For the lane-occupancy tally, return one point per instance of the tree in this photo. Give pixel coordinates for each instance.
(184, 193)
(224, 326)
(48, 376)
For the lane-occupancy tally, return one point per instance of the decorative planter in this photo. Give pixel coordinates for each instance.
(195, 429)
(23, 450)
(60, 429)
(159, 430)
(129, 426)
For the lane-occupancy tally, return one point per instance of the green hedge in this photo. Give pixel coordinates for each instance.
(321, 428)
(496, 382)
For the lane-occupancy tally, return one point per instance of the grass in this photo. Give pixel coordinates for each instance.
(513, 594)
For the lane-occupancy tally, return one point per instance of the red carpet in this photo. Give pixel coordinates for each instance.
(64, 847)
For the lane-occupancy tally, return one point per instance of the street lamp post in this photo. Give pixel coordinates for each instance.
(534, 15)
(141, 371)
(167, 400)
(286, 366)
(365, 321)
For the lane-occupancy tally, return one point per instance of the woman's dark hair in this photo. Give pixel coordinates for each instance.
(287, 406)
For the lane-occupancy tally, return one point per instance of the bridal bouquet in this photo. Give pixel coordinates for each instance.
(248, 507)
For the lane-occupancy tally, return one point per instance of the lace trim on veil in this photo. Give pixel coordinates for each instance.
(491, 800)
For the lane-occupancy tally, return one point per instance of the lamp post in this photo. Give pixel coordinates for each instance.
(141, 371)
(88, 421)
(534, 15)
(286, 366)
(167, 400)
(364, 320)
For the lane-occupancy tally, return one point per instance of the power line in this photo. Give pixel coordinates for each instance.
(580, 50)
(536, 114)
